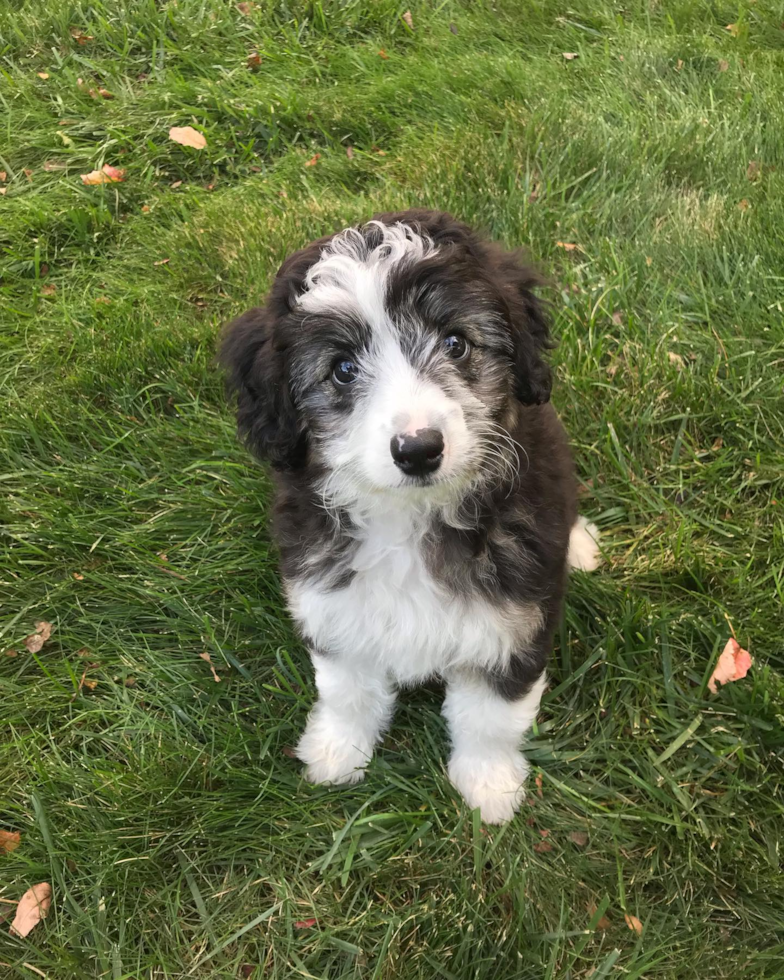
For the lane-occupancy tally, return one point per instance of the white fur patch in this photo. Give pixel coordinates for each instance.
(393, 616)
(584, 546)
(487, 766)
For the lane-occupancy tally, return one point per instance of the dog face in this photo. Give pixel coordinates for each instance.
(388, 357)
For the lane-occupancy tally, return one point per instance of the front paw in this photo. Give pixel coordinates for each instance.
(494, 783)
(332, 753)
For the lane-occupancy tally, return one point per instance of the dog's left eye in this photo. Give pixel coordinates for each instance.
(345, 372)
(456, 347)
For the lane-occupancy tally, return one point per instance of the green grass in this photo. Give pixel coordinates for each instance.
(165, 808)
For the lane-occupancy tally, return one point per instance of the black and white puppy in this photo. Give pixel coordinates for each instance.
(426, 507)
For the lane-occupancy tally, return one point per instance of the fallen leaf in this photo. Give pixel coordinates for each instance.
(36, 640)
(617, 318)
(350, 152)
(105, 300)
(105, 93)
(3, 190)
(3, 176)
(247, 970)
(543, 847)
(32, 907)
(49, 290)
(246, 8)
(313, 160)
(732, 665)
(129, 682)
(679, 64)
(538, 781)
(11, 653)
(723, 65)
(544, 832)
(648, 260)
(717, 444)
(176, 184)
(633, 923)
(453, 28)
(567, 246)
(80, 37)
(206, 657)
(409, 19)
(382, 54)
(254, 60)
(43, 74)
(83, 652)
(188, 136)
(578, 837)
(162, 262)
(145, 208)
(89, 684)
(743, 205)
(305, 924)
(570, 55)
(754, 170)
(9, 840)
(28, 173)
(732, 29)
(106, 175)
(621, 57)
(675, 359)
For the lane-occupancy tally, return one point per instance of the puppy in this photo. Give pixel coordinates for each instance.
(426, 507)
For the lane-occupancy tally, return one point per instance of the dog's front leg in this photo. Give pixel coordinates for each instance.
(353, 710)
(488, 716)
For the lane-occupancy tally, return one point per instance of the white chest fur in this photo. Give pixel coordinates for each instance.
(394, 613)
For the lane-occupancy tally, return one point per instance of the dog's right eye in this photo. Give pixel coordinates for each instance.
(345, 372)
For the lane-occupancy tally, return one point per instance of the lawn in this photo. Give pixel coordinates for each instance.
(646, 175)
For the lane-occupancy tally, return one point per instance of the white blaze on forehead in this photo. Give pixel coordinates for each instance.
(352, 277)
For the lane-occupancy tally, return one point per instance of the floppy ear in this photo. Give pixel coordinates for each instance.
(530, 331)
(267, 419)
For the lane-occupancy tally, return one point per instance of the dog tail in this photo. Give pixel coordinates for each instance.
(584, 551)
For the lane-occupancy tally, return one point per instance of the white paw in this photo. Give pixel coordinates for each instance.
(494, 783)
(584, 552)
(333, 753)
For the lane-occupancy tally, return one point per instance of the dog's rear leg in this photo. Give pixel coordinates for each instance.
(353, 710)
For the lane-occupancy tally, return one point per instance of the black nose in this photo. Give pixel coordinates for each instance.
(418, 454)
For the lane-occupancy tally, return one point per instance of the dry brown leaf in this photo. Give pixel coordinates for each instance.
(9, 840)
(188, 136)
(43, 74)
(603, 923)
(145, 208)
(383, 55)
(733, 665)
(617, 318)
(633, 923)
(723, 65)
(176, 184)
(679, 64)
(247, 970)
(129, 682)
(3, 190)
(453, 28)
(675, 359)
(350, 152)
(543, 832)
(732, 29)
(648, 260)
(105, 93)
(162, 262)
(253, 60)
(305, 924)
(313, 160)
(11, 653)
(89, 683)
(567, 246)
(743, 205)
(32, 907)
(578, 837)
(717, 444)
(106, 175)
(83, 652)
(543, 847)
(246, 7)
(36, 640)
(538, 781)
(570, 55)
(409, 19)
(3, 176)
(49, 289)
(28, 173)
(206, 657)
(754, 170)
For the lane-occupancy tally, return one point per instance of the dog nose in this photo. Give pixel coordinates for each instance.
(418, 454)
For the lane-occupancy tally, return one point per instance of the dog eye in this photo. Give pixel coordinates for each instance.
(345, 372)
(456, 347)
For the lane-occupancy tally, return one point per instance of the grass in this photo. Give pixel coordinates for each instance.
(164, 807)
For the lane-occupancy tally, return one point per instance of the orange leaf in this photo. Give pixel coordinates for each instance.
(305, 924)
(80, 37)
(383, 55)
(313, 160)
(409, 19)
(105, 93)
(43, 74)
(733, 665)
(206, 656)
(633, 923)
(106, 175)
(254, 59)
(567, 246)
(3, 176)
(543, 847)
(9, 840)
(32, 907)
(603, 923)
(246, 7)
(538, 782)
(188, 136)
